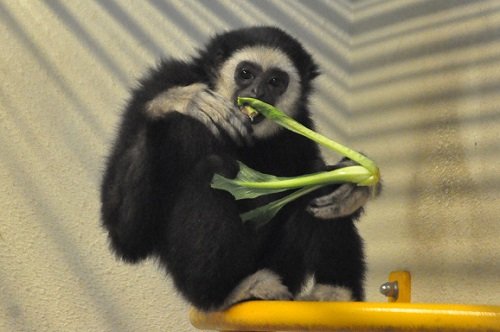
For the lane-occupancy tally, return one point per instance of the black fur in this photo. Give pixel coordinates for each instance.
(157, 200)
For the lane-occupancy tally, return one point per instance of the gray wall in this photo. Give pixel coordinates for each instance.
(414, 84)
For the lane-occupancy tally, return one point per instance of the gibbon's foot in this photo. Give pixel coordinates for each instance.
(262, 285)
(323, 292)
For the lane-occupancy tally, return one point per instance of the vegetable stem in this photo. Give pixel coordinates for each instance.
(284, 120)
(346, 174)
(250, 183)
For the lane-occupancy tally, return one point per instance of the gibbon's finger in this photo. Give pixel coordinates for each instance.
(207, 121)
(244, 130)
(219, 121)
(230, 113)
(229, 110)
(226, 117)
(340, 204)
(201, 107)
(216, 123)
(338, 194)
(234, 134)
(328, 212)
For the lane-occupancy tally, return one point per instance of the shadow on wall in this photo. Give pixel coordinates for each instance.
(425, 82)
(430, 71)
(79, 59)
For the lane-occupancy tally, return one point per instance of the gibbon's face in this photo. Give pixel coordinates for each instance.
(264, 73)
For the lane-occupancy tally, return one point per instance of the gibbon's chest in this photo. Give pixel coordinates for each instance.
(281, 157)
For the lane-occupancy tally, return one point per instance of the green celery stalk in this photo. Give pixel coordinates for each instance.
(287, 122)
(244, 186)
(250, 183)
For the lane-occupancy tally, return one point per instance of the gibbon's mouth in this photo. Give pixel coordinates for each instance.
(254, 116)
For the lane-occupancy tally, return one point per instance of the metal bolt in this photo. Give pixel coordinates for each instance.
(390, 289)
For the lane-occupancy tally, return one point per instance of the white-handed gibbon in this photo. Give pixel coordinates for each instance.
(180, 126)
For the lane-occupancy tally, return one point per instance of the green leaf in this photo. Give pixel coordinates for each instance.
(240, 187)
(260, 216)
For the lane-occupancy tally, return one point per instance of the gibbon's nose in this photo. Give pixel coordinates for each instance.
(260, 92)
(257, 93)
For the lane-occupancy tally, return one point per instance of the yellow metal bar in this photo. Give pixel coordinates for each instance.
(332, 316)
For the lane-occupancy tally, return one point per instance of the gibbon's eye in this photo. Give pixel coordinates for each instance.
(278, 81)
(246, 74)
(274, 81)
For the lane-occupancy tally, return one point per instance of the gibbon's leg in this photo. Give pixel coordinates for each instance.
(207, 250)
(337, 262)
(286, 253)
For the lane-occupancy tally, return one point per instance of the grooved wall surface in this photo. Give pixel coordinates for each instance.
(414, 84)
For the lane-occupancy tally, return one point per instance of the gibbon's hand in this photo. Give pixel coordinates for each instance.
(213, 110)
(219, 114)
(345, 200)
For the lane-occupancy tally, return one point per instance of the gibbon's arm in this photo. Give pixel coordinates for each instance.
(155, 149)
(199, 102)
